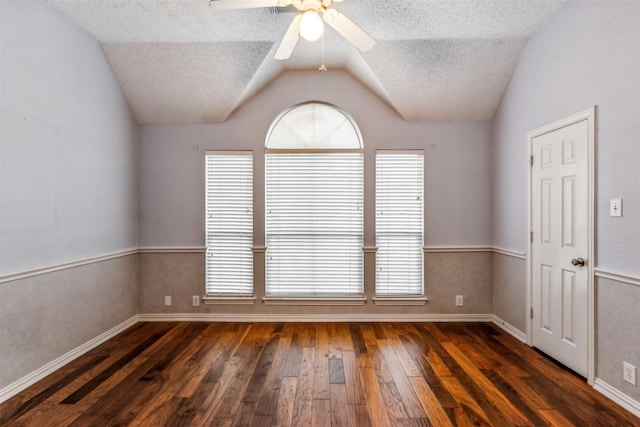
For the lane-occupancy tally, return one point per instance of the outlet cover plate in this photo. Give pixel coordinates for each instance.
(629, 373)
(459, 300)
(615, 207)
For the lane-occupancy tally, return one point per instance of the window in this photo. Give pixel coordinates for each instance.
(399, 223)
(229, 223)
(314, 204)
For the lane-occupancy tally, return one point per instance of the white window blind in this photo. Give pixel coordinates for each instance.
(399, 223)
(314, 224)
(229, 223)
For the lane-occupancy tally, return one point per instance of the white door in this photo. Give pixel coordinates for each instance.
(560, 244)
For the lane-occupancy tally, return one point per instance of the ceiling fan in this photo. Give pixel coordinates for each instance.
(308, 24)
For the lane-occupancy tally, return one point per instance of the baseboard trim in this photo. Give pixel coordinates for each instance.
(35, 376)
(510, 329)
(617, 396)
(228, 317)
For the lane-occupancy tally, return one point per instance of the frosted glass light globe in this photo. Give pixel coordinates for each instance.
(311, 26)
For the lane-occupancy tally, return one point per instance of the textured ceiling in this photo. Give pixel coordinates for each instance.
(181, 61)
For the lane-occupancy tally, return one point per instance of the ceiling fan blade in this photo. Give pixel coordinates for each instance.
(245, 4)
(289, 40)
(349, 30)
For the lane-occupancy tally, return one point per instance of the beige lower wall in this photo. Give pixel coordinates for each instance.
(181, 275)
(44, 316)
(617, 333)
(509, 287)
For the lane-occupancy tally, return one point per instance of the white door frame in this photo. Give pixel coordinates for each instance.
(589, 115)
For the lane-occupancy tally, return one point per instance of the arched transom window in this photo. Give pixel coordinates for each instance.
(314, 125)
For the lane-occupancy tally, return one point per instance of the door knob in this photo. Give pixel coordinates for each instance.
(579, 262)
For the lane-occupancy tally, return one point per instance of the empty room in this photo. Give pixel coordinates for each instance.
(319, 212)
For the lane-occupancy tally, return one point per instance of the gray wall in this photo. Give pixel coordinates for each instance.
(588, 55)
(457, 204)
(69, 154)
(456, 162)
(68, 189)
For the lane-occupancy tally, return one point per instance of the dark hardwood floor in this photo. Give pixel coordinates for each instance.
(316, 374)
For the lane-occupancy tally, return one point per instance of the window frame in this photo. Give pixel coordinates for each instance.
(404, 298)
(245, 228)
(310, 299)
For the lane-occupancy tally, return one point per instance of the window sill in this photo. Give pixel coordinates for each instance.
(400, 301)
(315, 301)
(229, 300)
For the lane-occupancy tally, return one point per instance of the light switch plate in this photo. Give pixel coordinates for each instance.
(615, 207)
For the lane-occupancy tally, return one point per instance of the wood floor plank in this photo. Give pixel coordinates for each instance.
(481, 337)
(355, 392)
(409, 398)
(144, 382)
(255, 388)
(359, 416)
(470, 407)
(45, 395)
(292, 364)
(302, 407)
(321, 363)
(513, 378)
(286, 400)
(407, 363)
(514, 397)
(577, 398)
(321, 413)
(336, 371)
(378, 413)
(417, 348)
(511, 413)
(312, 374)
(174, 379)
(267, 405)
(209, 365)
(393, 403)
(359, 345)
(206, 413)
(434, 410)
(252, 349)
(555, 418)
(379, 364)
(339, 408)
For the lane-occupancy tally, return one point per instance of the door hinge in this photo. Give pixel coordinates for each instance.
(531, 312)
(531, 237)
(531, 161)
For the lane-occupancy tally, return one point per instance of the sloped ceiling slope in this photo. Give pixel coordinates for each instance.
(181, 61)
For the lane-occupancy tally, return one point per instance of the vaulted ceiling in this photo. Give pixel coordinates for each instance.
(181, 61)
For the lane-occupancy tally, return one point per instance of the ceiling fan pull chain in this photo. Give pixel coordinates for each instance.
(322, 67)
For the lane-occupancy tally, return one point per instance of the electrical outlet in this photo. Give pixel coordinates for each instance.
(615, 207)
(459, 300)
(629, 373)
(195, 300)
(167, 300)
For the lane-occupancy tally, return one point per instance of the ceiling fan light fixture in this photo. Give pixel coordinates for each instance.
(311, 26)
